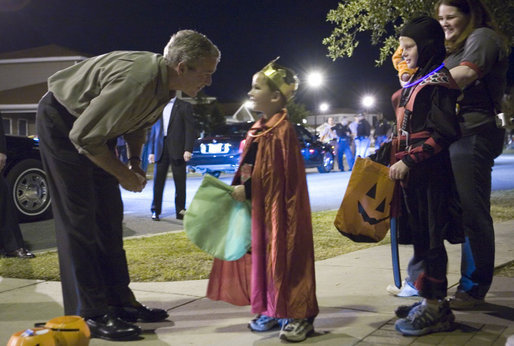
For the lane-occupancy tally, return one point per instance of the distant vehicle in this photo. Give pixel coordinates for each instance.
(219, 152)
(27, 181)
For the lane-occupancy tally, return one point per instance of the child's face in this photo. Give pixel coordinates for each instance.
(410, 51)
(260, 95)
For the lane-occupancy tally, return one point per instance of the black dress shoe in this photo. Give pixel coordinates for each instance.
(109, 327)
(139, 313)
(20, 253)
(180, 214)
(155, 216)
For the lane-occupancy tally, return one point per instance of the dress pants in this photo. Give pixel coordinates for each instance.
(472, 161)
(178, 169)
(10, 233)
(88, 213)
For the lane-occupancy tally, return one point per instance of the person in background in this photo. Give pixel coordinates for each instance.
(121, 149)
(478, 60)
(171, 143)
(87, 106)
(277, 279)
(415, 265)
(11, 239)
(427, 198)
(344, 141)
(382, 131)
(327, 134)
(362, 136)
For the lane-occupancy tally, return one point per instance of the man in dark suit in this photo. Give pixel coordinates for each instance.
(11, 240)
(171, 143)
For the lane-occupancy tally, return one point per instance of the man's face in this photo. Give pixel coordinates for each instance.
(194, 78)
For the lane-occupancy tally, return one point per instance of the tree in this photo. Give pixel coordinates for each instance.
(297, 112)
(384, 18)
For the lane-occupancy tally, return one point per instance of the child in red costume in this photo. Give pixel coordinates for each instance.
(277, 278)
(430, 208)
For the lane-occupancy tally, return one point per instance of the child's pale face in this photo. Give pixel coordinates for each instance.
(410, 51)
(260, 95)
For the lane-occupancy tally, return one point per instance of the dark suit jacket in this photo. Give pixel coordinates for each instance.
(181, 132)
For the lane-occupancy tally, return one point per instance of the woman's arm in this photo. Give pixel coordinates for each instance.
(463, 75)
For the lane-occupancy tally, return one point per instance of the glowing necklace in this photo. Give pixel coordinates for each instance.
(268, 130)
(424, 77)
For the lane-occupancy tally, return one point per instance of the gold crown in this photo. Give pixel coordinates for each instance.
(278, 78)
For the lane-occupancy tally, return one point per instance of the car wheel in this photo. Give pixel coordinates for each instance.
(30, 193)
(328, 163)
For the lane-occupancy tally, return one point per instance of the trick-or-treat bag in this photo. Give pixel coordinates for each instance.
(216, 223)
(364, 213)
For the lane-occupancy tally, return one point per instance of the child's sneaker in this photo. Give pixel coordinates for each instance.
(296, 330)
(263, 323)
(421, 320)
(403, 310)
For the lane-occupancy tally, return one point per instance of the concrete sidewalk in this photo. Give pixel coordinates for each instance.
(351, 290)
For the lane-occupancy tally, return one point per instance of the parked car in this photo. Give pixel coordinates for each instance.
(26, 179)
(219, 152)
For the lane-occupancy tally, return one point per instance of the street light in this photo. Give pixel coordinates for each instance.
(368, 101)
(323, 107)
(315, 80)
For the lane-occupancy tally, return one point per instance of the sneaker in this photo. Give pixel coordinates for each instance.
(181, 214)
(407, 290)
(421, 320)
(296, 330)
(263, 323)
(464, 301)
(403, 310)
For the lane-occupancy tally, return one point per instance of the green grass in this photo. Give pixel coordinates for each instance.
(172, 257)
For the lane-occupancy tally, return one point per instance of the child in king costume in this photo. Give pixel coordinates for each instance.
(277, 278)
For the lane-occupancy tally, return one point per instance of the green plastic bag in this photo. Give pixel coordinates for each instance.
(216, 223)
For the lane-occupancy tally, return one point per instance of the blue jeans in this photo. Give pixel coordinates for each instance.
(361, 146)
(343, 147)
(472, 161)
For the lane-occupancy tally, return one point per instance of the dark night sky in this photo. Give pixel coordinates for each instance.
(248, 33)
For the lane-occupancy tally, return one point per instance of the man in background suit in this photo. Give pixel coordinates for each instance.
(171, 143)
(11, 240)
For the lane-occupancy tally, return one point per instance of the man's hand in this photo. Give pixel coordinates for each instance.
(239, 193)
(136, 168)
(187, 155)
(151, 158)
(3, 160)
(131, 178)
(398, 171)
(132, 181)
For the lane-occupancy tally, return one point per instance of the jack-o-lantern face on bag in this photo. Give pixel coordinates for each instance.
(364, 212)
(370, 204)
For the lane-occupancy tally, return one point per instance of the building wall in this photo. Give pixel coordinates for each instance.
(22, 72)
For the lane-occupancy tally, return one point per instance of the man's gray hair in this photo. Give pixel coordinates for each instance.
(189, 46)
